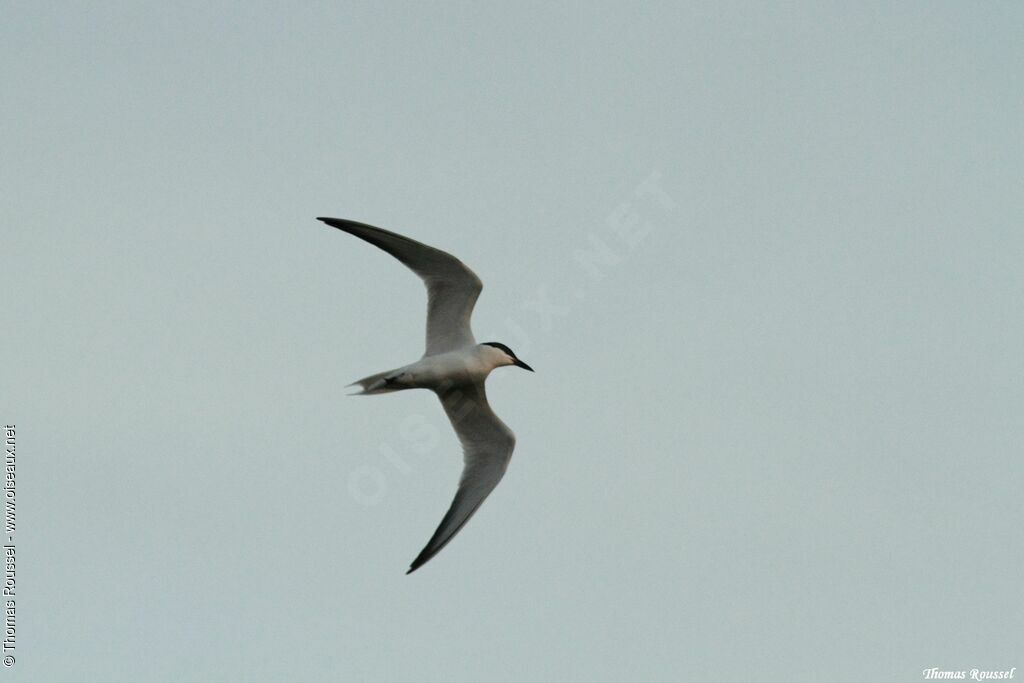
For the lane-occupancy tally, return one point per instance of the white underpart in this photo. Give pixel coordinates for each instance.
(454, 367)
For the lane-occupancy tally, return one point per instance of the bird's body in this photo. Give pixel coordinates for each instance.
(466, 365)
(454, 367)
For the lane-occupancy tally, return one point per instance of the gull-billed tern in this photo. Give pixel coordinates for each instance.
(454, 367)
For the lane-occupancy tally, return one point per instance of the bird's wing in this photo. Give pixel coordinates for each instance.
(452, 288)
(487, 447)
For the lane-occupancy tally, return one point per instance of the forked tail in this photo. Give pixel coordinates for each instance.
(381, 383)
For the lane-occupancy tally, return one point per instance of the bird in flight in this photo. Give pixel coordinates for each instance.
(454, 367)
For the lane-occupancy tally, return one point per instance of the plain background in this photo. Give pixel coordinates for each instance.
(775, 436)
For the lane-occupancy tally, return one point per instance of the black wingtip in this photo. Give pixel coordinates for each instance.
(420, 560)
(339, 223)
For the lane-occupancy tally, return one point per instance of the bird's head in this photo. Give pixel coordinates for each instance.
(502, 355)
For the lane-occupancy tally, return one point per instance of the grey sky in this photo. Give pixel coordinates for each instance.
(775, 436)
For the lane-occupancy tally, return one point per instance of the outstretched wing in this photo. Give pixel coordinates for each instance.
(452, 288)
(487, 447)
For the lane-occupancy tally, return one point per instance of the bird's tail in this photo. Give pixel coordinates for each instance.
(381, 383)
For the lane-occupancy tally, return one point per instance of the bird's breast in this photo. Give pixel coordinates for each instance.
(446, 369)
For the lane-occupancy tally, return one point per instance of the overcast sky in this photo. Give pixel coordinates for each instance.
(766, 262)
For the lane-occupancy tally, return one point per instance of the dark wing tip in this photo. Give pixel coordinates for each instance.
(337, 222)
(346, 225)
(422, 558)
